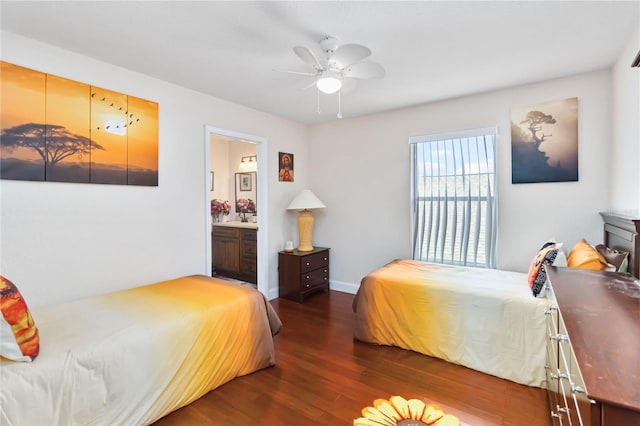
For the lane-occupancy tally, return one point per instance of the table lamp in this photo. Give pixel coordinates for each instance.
(305, 201)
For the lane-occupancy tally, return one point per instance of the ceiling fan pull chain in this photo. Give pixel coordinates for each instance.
(318, 101)
(339, 104)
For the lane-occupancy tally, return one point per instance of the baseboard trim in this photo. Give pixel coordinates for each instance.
(343, 286)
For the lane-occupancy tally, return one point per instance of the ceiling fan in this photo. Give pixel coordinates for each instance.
(340, 62)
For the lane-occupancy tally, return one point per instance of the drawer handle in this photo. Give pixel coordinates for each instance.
(559, 337)
(556, 415)
(578, 389)
(550, 310)
(325, 259)
(307, 276)
(308, 264)
(564, 376)
(325, 278)
(308, 285)
(325, 271)
(562, 409)
(554, 376)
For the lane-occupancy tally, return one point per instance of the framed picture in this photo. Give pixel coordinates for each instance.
(211, 181)
(61, 130)
(285, 164)
(544, 142)
(245, 182)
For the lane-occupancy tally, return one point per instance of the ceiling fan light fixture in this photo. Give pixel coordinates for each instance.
(329, 82)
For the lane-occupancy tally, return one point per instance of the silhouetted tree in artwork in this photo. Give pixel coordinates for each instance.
(535, 120)
(60, 142)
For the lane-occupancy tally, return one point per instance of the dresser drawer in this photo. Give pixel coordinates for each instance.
(225, 232)
(248, 234)
(249, 266)
(314, 261)
(249, 249)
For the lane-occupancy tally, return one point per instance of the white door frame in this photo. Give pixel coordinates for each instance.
(261, 182)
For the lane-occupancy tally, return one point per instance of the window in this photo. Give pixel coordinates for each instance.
(454, 198)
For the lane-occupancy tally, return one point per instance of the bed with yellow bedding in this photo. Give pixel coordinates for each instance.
(484, 319)
(133, 356)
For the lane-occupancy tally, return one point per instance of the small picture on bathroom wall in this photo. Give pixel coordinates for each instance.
(285, 161)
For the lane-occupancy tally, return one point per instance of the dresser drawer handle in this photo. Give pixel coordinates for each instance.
(578, 389)
(325, 271)
(307, 277)
(564, 376)
(562, 409)
(550, 309)
(325, 259)
(308, 285)
(559, 337)
(325, 278)
(556, 415)
(308, 264)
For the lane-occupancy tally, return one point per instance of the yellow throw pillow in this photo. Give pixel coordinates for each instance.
(585, 256)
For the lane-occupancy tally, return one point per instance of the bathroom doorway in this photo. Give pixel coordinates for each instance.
(236, 173)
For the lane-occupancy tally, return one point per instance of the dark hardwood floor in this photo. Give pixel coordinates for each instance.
(323, 377)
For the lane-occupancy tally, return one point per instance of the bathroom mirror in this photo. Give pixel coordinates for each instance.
(246, 188)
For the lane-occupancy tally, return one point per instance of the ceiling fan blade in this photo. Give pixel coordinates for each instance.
(348, 54)
(308, 86)
(365, 70)
(308, 57)
(297, 72)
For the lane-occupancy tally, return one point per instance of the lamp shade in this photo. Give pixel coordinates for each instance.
(306, 200)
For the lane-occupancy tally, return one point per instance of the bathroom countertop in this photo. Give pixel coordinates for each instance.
(237, 224)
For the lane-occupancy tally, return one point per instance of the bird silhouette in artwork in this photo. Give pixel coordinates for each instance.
(129, 118)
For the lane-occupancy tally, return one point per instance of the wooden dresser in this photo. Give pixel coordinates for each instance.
(303, 273)
(234, 252)
(593, 347)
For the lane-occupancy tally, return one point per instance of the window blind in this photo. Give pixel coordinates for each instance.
(454, 198)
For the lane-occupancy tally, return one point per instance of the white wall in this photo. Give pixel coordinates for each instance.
(360, 169)
(625, 155)
(61, 241)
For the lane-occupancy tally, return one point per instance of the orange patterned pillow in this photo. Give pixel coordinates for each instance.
(20, 340)
(537, 274)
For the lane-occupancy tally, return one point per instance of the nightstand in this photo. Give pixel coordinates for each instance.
(303, 273)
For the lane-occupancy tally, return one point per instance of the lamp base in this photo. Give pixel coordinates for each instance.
(305, 230)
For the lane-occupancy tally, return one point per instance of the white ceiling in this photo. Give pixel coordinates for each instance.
(431, 50)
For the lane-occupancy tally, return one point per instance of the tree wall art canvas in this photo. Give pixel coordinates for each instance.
(56, 129)
(544, 142)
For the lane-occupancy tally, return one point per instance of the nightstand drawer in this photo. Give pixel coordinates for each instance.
(314, 261)
(314, 278)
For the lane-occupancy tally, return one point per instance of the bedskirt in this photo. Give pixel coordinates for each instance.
(133, 356)
(484, 319)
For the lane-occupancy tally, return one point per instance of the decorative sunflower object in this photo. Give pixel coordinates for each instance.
(397, 411)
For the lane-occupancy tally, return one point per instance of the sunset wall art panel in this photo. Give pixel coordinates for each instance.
(56, 129)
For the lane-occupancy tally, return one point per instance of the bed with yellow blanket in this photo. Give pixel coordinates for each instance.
(133, 356)
(484, 319)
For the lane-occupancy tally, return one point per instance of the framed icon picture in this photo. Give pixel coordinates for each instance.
(285, 165)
